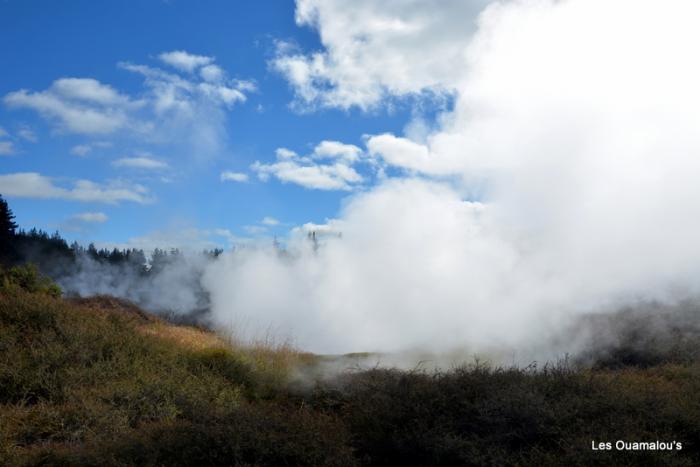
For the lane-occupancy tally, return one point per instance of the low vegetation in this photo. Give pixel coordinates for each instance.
(99, 382)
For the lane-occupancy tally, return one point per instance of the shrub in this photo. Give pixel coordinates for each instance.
(29, 279)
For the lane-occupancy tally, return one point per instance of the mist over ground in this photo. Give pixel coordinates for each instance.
(564, 181)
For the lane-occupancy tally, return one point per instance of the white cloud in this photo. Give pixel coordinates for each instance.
(145, 163)
(307, 173)
(284, 153)
(401, 152)
(337, 150)
(184, 61)
(377, 49)
(310, 172)
(77, 105)
(228, 176)
(319, 177)
(3, 132)
(226, 95)
(7, 148)
(35, 185)
(91, 217)
(190, 107)
(27, 134)
(212, 73)
(88, 89)
(174, 108)
(81, 150)
(271, 221)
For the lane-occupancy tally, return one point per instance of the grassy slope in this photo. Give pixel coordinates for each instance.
(97, 382)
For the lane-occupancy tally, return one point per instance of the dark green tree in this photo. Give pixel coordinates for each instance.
(7, 230)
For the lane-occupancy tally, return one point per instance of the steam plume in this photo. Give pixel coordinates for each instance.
(572, 157)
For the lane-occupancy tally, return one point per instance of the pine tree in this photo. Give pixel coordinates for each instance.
(7, 230)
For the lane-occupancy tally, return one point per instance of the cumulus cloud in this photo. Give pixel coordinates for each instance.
(145, 163)
(229, 176)
(310, 172)
(337, 150)
(373, 50)
(572, 159)
(35, 185)
(284, 153)
(401, 152)
(271, 221)
(184, 61)
(212, 73)
(319, 177)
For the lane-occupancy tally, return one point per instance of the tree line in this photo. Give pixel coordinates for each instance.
(46, 250)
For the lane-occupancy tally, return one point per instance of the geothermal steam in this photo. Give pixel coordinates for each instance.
(565, 179)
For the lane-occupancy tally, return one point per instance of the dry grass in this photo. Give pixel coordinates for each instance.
(185, 336)
(98, 382)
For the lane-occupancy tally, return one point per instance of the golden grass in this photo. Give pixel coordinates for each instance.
(185, 336)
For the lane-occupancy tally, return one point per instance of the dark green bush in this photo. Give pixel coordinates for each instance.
(29, 279)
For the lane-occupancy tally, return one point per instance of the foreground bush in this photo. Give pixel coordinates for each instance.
(480, 416)
(83, 385)
(98, 382)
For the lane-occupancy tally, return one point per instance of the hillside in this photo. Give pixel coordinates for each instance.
(99, 382)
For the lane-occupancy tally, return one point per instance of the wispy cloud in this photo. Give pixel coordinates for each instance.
(91, 217)
(185, 105)
(83, 150)
(255, 229)
(228, 176)
(145, 163)
(27, 134)
(8, 142)
(35, 185)
(7, 148)
(78, 105)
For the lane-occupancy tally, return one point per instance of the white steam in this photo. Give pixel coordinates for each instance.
(575, 140)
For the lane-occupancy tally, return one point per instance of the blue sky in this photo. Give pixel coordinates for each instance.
(159, 172)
